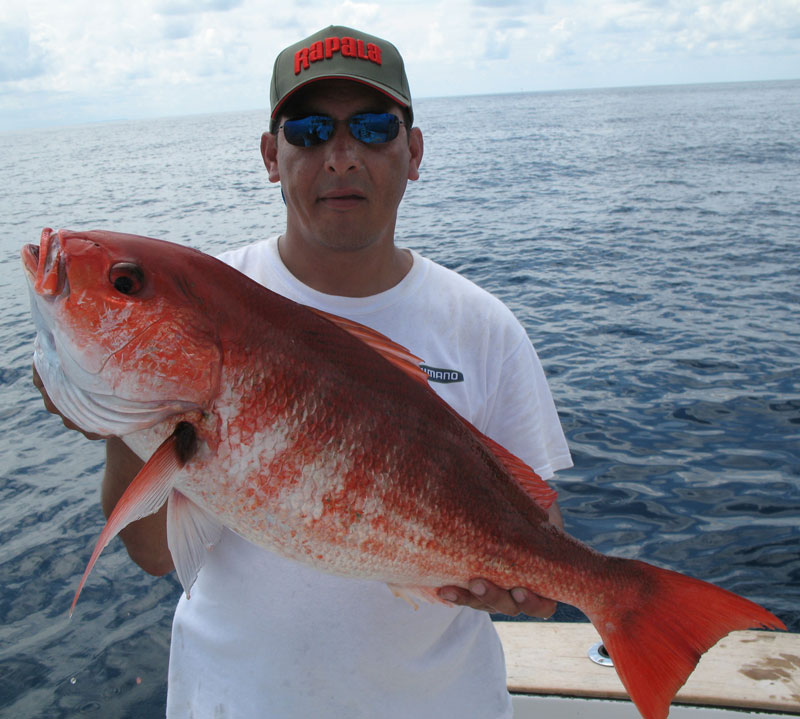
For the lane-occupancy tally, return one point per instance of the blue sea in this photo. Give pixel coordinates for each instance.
(647, 238)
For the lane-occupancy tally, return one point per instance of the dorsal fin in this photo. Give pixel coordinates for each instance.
(541, 492)
(536, 488)
(398, 355)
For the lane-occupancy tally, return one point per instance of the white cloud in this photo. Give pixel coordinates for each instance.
(94, 60)
(193, 7)
(20, 58)
(177, 28)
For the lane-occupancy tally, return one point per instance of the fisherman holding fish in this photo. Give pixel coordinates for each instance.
(263, 636)
(303, 472)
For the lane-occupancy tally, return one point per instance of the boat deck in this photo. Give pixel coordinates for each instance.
(548, 664)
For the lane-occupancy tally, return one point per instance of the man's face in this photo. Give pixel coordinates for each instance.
(342, 193)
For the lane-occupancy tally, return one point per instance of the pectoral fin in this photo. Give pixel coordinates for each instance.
(144, 496)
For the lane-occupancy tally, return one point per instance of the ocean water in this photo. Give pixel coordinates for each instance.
(647, 238)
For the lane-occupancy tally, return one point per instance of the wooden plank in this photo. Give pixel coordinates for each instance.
(752, 669)
(535, 706)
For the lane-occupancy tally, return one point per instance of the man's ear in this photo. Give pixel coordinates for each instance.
(416, 147)
(269, 153)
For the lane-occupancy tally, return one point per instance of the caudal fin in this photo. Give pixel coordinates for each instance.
(657, 638)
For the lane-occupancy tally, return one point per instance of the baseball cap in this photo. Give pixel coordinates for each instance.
(339, 52)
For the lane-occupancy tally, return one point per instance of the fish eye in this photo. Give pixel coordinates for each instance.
(126, 277)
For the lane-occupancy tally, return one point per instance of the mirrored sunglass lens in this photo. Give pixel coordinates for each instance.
(372, 127)
(308, 131)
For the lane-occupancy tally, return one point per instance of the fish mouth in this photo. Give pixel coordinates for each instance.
(45, 265)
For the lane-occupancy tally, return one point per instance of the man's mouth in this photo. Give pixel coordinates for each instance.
(343, 198)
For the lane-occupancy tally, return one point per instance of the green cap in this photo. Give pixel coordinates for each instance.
(339, 53)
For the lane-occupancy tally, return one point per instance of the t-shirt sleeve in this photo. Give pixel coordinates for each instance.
(521, 413)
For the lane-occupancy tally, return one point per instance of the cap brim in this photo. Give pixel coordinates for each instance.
(391, 94)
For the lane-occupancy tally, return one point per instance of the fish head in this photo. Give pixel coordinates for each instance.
(124, 339)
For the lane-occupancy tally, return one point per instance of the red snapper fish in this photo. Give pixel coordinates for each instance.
(319, 439)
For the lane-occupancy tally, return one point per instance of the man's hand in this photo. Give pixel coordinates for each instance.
(482, 594)
(48, 403)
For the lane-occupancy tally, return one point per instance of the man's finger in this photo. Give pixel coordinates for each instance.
(483, 594)
(463, 598)
(499, 600)
(532, 604)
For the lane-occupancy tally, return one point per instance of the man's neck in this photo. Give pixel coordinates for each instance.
(346, 273)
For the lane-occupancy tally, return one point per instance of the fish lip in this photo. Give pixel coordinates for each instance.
(46, 266)
(30, 260)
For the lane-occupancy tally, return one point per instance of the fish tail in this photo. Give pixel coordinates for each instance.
(656, 634)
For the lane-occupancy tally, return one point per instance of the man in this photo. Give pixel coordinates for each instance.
(266, 637)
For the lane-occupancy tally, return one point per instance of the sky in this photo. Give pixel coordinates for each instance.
(79, 61)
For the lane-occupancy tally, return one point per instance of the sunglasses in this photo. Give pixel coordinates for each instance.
(372, 128)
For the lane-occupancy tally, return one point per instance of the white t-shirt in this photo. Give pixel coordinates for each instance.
(265, 637)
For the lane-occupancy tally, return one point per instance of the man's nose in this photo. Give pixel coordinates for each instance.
(343, 151)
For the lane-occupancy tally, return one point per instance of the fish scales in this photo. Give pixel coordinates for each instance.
(389, 447)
